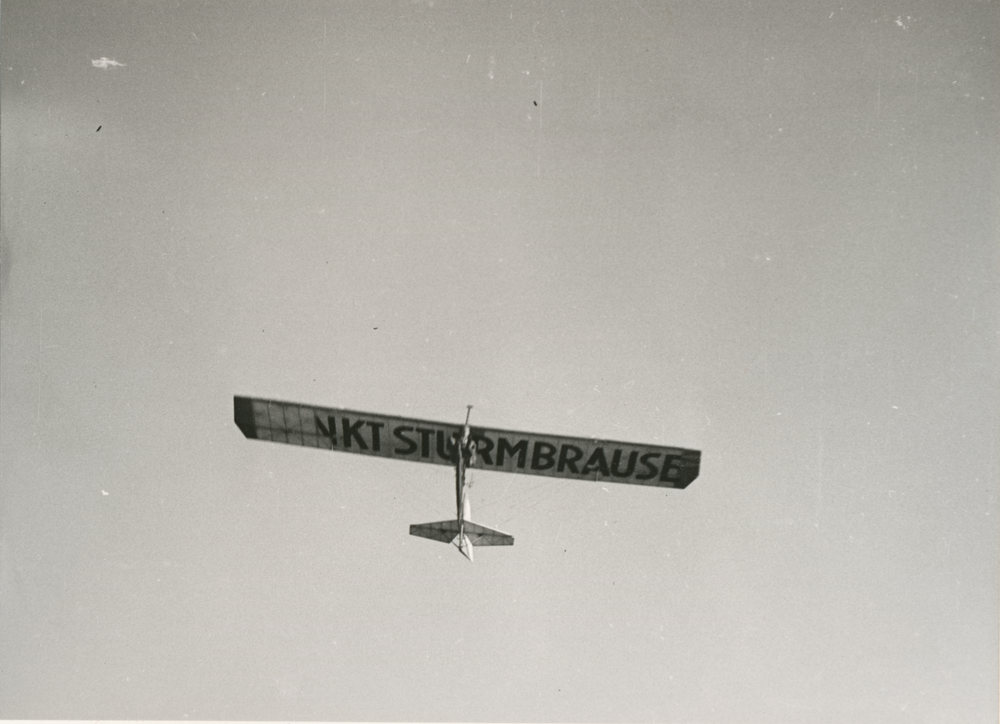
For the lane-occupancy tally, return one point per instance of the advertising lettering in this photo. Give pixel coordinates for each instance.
(437, 443)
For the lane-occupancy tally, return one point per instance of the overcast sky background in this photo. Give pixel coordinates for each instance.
(767, 231)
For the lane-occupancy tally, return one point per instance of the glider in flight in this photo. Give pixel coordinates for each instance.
(465, 447)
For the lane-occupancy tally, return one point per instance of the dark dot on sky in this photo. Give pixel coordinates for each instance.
(99, 128)
(535, 102)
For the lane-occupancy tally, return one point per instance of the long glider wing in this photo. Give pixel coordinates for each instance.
(401, 438)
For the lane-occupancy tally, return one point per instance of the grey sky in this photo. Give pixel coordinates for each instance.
(767, 231)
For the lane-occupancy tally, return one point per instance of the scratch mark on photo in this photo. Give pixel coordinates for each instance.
(105, 63)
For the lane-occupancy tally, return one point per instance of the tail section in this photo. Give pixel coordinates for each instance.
(448, 531)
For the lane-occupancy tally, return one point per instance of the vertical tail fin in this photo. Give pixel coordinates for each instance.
(464, 546)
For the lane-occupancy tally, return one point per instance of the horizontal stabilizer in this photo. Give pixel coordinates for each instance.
(480, 535)
(446, 531)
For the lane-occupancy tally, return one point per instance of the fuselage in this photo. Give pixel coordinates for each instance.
(465, 452)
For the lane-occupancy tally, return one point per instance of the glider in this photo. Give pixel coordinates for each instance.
(464, 447)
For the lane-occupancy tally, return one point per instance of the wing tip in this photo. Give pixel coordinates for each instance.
(243, 416)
